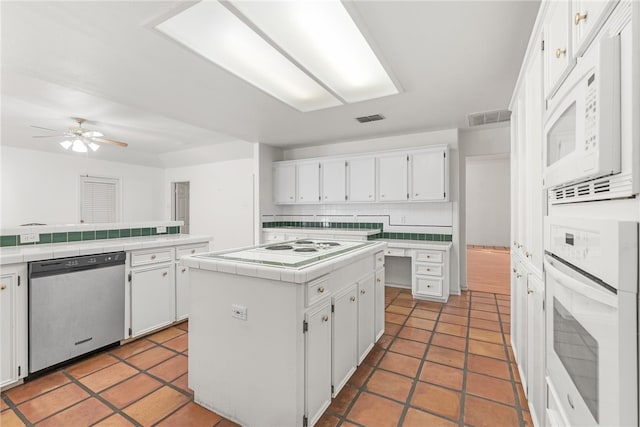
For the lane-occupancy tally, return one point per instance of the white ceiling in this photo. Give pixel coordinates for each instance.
(104, 61)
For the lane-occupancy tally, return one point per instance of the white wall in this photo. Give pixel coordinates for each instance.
(477, 142)
(221, 200)
(488, 200)
(37, 186)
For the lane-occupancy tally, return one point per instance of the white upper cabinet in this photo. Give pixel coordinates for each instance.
(308, 182)
(392, 178)
(557, 46)
(334, 178)
(361, 179)
(428, 176)
(586, 19)
(284, 183)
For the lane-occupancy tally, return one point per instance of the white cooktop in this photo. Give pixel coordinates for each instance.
(294, 253)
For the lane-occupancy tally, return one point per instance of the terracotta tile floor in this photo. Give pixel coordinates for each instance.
(437, 365)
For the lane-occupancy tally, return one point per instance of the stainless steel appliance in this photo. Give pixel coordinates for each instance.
(76, 305)
(591, 270)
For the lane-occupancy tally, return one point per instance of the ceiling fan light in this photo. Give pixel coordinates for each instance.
(79, 147)
(66, 144)
(93, 146)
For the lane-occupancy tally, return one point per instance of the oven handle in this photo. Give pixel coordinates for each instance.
(579, 284)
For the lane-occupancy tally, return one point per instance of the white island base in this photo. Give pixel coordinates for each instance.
(269, 351)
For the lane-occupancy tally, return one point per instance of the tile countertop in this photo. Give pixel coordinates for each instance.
(296, 275)
(27, 253)
(415, 244)
(322, 230)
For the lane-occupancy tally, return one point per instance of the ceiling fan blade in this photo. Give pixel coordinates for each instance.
(47, 136)
(40, 127)
(110, 141)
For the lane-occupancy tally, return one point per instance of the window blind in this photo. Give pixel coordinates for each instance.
(98, 200)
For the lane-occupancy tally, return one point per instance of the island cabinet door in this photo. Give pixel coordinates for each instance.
(379, 306)
(317, 361)
(345, 336)
(366, 317)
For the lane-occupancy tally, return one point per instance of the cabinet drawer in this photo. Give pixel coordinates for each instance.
(379, 260)
(151, 257)
(317, 290)
(429, 269)
(428, 286)
(394, 252)
(191, 250)
(427, 256)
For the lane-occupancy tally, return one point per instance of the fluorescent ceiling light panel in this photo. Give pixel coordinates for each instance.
(322, 37)
(214, 32)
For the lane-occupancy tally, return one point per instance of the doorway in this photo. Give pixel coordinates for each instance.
(488, 206)
(180, 204)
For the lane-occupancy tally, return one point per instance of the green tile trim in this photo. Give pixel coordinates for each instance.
(59, 237)
(88, 235)
(74, 236)
(8, 240)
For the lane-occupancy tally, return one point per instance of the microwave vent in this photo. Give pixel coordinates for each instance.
(487, 117)
(603, 188)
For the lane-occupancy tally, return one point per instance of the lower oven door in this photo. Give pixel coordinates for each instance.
(591, 347)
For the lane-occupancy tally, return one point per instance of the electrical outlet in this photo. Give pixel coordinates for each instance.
(29, 238)
(239, 312)
(161, 229)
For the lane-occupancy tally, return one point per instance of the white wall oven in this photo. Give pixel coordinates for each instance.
(591, 270)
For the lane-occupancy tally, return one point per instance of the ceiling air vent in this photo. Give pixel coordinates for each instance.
(487, 117)
(374, 118)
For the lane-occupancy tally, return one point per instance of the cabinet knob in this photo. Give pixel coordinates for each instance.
(325, 318)
(353, 298)
(184, 270)
(3, 287)
(362, 291)
(560, 52)
(153, 257)
(193, 251)
(529, 291)
(320, 289)
(579, 17)
(164, 274)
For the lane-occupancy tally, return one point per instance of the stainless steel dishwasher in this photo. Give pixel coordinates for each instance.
(76, 305)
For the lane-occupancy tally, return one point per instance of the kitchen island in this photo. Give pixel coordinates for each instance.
(276, 330)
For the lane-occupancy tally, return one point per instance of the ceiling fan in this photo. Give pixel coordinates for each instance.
(79, 138)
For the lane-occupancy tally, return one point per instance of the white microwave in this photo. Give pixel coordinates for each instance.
(582, 129)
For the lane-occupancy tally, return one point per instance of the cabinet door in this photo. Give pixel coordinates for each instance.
(557, 46)
(345, 337)
(379, 308)
(317, 362)
(284, 182)
(182, 292)
(427, 177)
(334, 185)
(8, 364)
(308, 182)
(361, 173)
(366, 316)
(153, 303)
(587, 16)
(392, 178)
(535, 346)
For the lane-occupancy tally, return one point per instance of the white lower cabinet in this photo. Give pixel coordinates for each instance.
(366, 316)
(379, 311)
(317, 364)
(13, 324)
(345, 333)
(153, 292)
